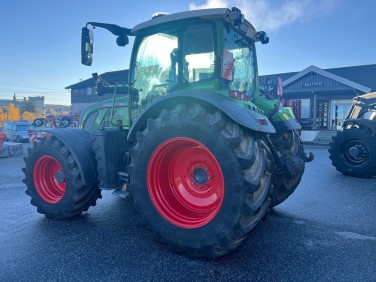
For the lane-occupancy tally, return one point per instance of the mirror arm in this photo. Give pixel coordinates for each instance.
(113, 28)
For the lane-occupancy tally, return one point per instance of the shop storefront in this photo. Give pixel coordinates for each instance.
(321, 98)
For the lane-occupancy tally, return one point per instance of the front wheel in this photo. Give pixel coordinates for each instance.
(53, 181)
(353, 152)
(199, 181)
(290, 173)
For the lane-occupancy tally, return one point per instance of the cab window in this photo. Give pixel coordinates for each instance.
(242, 51)
(155, 66)
(198, 53)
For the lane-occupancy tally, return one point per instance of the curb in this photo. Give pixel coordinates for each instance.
(316, 143)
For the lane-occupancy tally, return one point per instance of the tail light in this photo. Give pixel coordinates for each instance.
(238, 95)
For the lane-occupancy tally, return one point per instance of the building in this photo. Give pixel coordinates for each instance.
(321, 98)
(83, 93)
(37, 103)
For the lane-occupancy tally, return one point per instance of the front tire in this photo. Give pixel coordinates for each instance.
(353, 152)
(199, 181)
(290, 174)
(53, 181)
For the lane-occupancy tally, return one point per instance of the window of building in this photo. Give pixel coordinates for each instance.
(305, 108)
(339, 111)
(89, 91)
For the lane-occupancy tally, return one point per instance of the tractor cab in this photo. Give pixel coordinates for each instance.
(194, 53)
(204, 49)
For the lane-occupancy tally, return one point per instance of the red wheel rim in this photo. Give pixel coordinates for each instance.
(185, 182)
(49, 179)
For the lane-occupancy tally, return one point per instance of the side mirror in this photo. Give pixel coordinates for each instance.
(87, 46)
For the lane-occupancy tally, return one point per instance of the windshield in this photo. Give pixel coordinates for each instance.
(241, 50)
(24, 127)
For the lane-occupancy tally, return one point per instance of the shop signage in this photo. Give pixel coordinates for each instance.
(313, 84)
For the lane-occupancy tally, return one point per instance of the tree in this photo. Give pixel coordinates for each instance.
(14, 113)
(28, 115)
(3, 116)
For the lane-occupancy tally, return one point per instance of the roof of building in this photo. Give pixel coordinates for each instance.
(110, 77)
(329, 75)
(359, 77)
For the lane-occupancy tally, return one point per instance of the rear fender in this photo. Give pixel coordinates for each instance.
(78, 143)
(285, 120)
(286, 125)
(371, 124)
(246, 118)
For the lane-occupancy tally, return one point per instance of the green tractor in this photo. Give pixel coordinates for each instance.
(353, 148)
(202, 154)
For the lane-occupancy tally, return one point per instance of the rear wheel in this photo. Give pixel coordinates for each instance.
(53, 181)
(353, 152)
(39, 122)
(288, 178)
(199, 181)
(65, 122)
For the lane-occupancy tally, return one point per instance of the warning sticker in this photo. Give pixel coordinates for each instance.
(227, 65)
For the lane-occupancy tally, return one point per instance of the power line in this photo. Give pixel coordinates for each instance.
(46, 101)
(32, 92)
(19, 85)
(48, 95)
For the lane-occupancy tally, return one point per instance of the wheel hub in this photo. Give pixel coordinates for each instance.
(354, 152)
(185, 182)
(49, 179)
(60, 177)
(200, 175)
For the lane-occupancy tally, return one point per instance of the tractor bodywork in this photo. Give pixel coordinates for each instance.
(188, 135)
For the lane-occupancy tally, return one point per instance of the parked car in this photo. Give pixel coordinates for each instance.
(19, 130)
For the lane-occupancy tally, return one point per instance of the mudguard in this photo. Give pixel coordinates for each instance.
(284, 125)
(371, 124)
(78, 143)
(246, 118)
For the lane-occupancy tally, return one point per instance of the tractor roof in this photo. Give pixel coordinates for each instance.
(166, 18)
(217, 13)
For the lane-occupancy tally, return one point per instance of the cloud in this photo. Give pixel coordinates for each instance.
(266, 15)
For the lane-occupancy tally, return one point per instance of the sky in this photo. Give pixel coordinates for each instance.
(40, 39)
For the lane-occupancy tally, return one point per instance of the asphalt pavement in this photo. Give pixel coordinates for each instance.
(326, 231)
